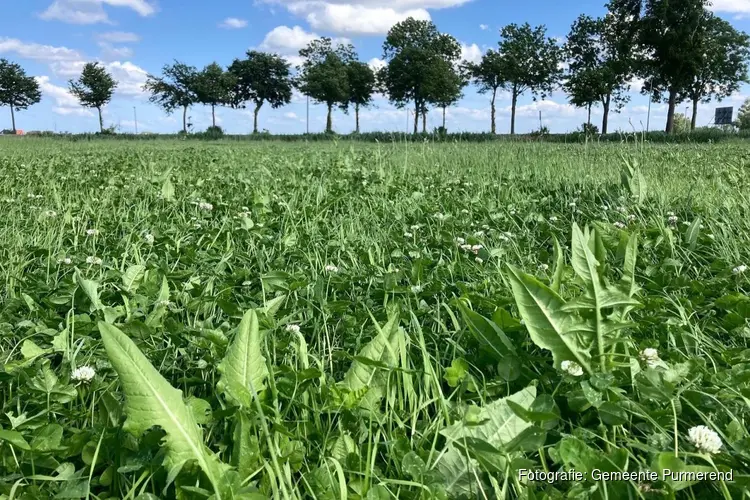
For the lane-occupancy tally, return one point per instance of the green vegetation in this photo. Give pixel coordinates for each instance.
(229, 320)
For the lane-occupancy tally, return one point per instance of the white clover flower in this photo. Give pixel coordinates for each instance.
(571, 368)
(408, 235)
(476, 248)
(416, 288)
(479, 260)
(440, 216)
(572, 204)
(485, 227)
(331, 268)
(670, 214)
(247, 283)
(650, 356)
(94, 260)
(478, 234)
(620, 225)
(512, 212)
(50, 213)
(553, 219)
(622, 209)
(205, 206)
(543, 267)
(460, 240)
(83, 374)
(148, 238)
(67, 261)
(292, 328)
(631, 218)
(672, 219)
(740, 269)
(704, 439)
(244, 213)
(415, 227)
(92, 232)
(466, 247)
(464, 211)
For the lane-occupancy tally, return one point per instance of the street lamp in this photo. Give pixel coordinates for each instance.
(135, 119)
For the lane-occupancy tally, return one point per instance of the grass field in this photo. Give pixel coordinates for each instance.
(375, 321)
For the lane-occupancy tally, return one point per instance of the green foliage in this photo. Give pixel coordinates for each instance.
(361, 79)
(243, 368)
(530, 61)
(175, 89)
(489, 77)
(743, 116)
(94, 88)
(17, 91)
(260, 78)
(213, 87)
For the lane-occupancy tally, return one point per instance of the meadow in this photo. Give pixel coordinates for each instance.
(378, 321)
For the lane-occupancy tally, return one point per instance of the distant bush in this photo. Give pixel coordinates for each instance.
(589, 129)
(213, 132)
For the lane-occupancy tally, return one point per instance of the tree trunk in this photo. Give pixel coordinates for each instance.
(213, 115)
(513, 111)
(605, 119)
(184, 119)
(588, 122)
(424, 120)
(670, 111)
(255, 116)
(492, 112)
(101, 121)
(693, 119)
(356, 118)
(416, 116)
(443, 118)
(329, 120)
(12, 118)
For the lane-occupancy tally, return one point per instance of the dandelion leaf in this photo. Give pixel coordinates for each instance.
(243, 369)
(152, 401)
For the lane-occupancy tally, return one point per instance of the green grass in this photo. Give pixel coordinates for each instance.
(420, 369)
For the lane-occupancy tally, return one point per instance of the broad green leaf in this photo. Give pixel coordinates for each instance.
(557, 274)
(692, 232)
(243, 369)
(487, 332)
(29, 350)
(167, 190)
(133, 277)
(549, 327)
(365, 377)
(15, 438)
(152, 401)
(246, 455)
(91, 288)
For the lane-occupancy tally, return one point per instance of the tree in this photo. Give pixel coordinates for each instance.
(260, 78)
(174, 89)
(361, 87)
(17, 91)
(722, 66)
(488, 76)
(213, 87)
(530, 61)
(94, 88)
(445, 86)
(681, 124)
(743, 116)
(602, 58)
(672, 36)
(324, 75)
(413, 50)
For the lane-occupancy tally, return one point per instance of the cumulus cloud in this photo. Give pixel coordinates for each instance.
(111, 52)
(118, 37)
(366, 17)
(37, 52)
(92, 11)
(375, 63)
(354, 19)
(733, 6)
(287, 42)
(65, 102)
(483, 27)
(129, 76)
(233, 23)
(547, 107)
(471, 53)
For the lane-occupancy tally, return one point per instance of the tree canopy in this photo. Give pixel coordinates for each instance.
(260, 78)
(17, 90)
(94, 88)
(174, 89)
(213, 87)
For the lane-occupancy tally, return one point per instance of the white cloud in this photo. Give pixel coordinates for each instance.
(233, 23)
(67, 69)
(72, 111)
(375, 63)
(734, 6)
(548, 108)
(287, 42)
(354, 19)
(92, 11)
(65, 102)
(483, 27)
(367, 17)
(291, 115)
(118, 37)
(37, 52)
(111, 52)
(130, 77)
(471, 53)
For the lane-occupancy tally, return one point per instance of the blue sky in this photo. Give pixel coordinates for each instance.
(52, 39)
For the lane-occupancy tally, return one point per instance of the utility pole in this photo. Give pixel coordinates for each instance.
(540, 120)
(135, 118)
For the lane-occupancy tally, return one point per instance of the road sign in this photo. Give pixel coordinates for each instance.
(724, 116)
